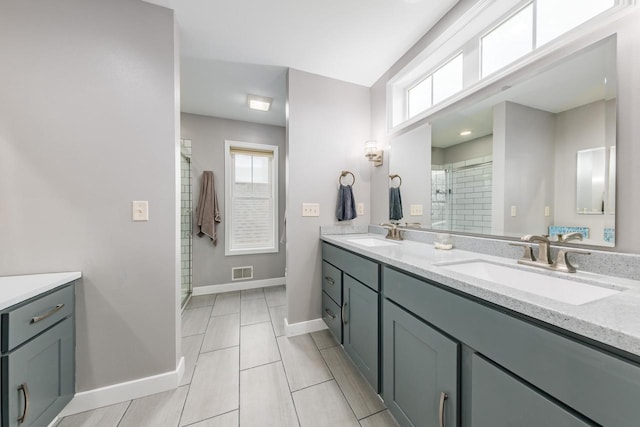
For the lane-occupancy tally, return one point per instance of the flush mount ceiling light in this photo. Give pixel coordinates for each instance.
(260, 103)
(465, 133)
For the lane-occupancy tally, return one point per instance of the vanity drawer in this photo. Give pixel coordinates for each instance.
(332, 316)
(592, 382)
(23, 321)
(332, 282)
(359, 268)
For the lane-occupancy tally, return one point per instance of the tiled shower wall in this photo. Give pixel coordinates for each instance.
(186, 218)
(461, 196)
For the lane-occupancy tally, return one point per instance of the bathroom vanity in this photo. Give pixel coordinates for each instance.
(451, 349)
(37, 377)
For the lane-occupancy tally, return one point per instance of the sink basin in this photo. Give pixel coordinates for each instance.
(556, 288)
(371, 242)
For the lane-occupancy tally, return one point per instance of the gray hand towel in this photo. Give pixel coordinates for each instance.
(346, 206)
(207, 213)
(395, 204)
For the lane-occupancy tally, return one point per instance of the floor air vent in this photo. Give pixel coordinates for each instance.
(242, 273)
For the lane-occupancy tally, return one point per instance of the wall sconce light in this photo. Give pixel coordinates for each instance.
(372, 153)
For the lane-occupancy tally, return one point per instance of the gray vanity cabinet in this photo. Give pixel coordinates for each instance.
(420, 383)
(38, 358)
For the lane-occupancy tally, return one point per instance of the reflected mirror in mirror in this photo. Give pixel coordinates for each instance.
(507, 165)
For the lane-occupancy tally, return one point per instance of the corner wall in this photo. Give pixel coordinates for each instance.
(328, 123)
(87, 125)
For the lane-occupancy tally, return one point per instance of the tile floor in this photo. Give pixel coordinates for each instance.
(240, 370)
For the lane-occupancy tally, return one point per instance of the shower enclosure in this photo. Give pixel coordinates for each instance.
(186, 218)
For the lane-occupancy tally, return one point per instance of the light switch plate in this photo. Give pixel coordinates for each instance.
(360, 208)
(140, 210)
(547, 211)
(310, 209)
(513, 211)
(415, 210)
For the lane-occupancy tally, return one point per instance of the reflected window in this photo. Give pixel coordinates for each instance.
(446, 81)
(555, 18)
(509, 41)
(420, 97)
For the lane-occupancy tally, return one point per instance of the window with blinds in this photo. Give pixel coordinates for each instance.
(251, 198)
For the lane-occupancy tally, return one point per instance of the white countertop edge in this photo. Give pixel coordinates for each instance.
(612, 328)
(16, 289)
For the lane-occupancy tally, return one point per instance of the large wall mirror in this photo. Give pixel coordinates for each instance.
(534, 157)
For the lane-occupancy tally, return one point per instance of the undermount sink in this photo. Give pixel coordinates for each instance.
(556, 288)
(371, 242)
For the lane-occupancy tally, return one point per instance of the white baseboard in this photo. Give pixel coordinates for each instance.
(300, 328)
(237, 286)
(116, 393)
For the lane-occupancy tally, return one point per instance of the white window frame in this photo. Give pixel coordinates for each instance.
(228, 219)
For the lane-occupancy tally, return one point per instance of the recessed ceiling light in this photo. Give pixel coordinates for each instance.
(465, 133)
(259, 102)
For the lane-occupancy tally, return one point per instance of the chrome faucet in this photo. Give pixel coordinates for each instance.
(544, 249)
(543, 259)
(393, 232)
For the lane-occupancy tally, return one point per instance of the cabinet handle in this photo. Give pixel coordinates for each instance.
(443, 397)
(329, 280)
(330, 313)
(36, 319)
(344, 317)
(25, 393)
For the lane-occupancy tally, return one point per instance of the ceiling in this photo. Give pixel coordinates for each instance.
(355, 41)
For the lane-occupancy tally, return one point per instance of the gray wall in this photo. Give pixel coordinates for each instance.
(478, 147)
(207, 134)
(628, 125)
(328, 123)
(87, 124)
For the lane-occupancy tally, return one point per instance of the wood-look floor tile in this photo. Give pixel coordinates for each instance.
(222, 332)
(247, 294)
(161, 409)
(201, 301)
(190, 350)
(324, 339)
(257, 345)
(323, 405)
(265, 399)
(226, 303)
(254, 311)
(215, 386)
(277, 319)
(276, 295)
(302, 361)
(230, 419)
(361, 397)
(107, 416)
(195, 321)
(381, 419)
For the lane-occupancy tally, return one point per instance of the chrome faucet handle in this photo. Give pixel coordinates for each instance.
(562, 261)
(528, 252)
(393, 233)
(570, 236)
(533, 238)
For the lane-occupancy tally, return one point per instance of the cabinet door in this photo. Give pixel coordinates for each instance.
(501, 400)
(332, 316)
(360, 331)
(38, 377)
(420, 368)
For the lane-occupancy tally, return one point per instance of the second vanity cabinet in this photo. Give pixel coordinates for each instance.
(350, 307)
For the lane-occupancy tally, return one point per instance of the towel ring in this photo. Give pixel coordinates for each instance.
(394, 176)
(345, 173)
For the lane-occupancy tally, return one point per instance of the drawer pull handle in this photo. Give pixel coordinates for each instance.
(344, 318)
(55, 309)
(443, 398)
(330, 313)
(329, 280)
(25, 393)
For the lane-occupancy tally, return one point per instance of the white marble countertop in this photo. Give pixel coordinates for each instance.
(15, 289)
(614, 320)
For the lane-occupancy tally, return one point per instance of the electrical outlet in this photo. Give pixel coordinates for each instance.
(513, 211)
(310, 209)
(360, 208)
(415, 210)
(140, 210)
(547, 211)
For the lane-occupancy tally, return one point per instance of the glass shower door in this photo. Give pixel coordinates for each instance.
(186, 221)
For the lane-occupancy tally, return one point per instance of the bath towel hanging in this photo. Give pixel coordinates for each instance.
(207, 213)
(346, 205)
(395, 199)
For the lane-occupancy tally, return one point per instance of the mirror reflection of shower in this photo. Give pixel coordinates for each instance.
(186, 221)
